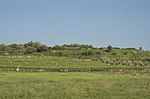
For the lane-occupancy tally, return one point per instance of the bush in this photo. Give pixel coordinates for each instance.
(135, 63)
(95, 59)
(140, 63)
(98, 52)
(42, 48)
(87, 53)
(114, 53)
(30, 49)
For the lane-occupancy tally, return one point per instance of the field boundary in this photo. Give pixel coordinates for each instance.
(110, 70)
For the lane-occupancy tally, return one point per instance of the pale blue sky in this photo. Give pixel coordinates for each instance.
(121, 23)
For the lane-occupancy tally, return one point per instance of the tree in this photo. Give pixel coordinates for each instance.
(140, 48)
(57, 47)
(30, 49)
(42, 48)
(109, 48)
(16, 47)
(33, 44)
(4, 47)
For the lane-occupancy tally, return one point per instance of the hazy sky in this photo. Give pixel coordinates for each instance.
(121, 23)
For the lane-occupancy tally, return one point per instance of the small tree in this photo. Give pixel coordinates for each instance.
(30, 49)
(42, 48)
(140, 48)
(109, 48)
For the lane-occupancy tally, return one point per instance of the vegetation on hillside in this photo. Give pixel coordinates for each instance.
(106, 55)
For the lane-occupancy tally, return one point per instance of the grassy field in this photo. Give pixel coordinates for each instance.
(46, 62)
(118, 74)
(15, 85)
(56, 62)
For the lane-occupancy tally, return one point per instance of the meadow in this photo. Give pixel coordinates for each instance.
(34, 63)
(53, 77)
(56, 85)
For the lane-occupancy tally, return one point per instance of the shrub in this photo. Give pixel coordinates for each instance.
(87, 53)
(114, 53)
(98, 52)
(146, 64)
(107, 61)
(94, 59)
(140, 63)
(30, 49)
(135, 63)
(123, 63)
(42, 48)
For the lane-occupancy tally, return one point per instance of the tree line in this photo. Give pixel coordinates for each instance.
(31, 47)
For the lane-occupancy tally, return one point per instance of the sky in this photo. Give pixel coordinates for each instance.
(120, 23)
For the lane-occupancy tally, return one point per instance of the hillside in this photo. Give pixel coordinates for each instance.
(74, 57)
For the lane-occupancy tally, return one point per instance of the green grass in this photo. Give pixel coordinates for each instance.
(125, 84)
(53, 62)
(16, 85)
(64, 64)
(46, 62)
